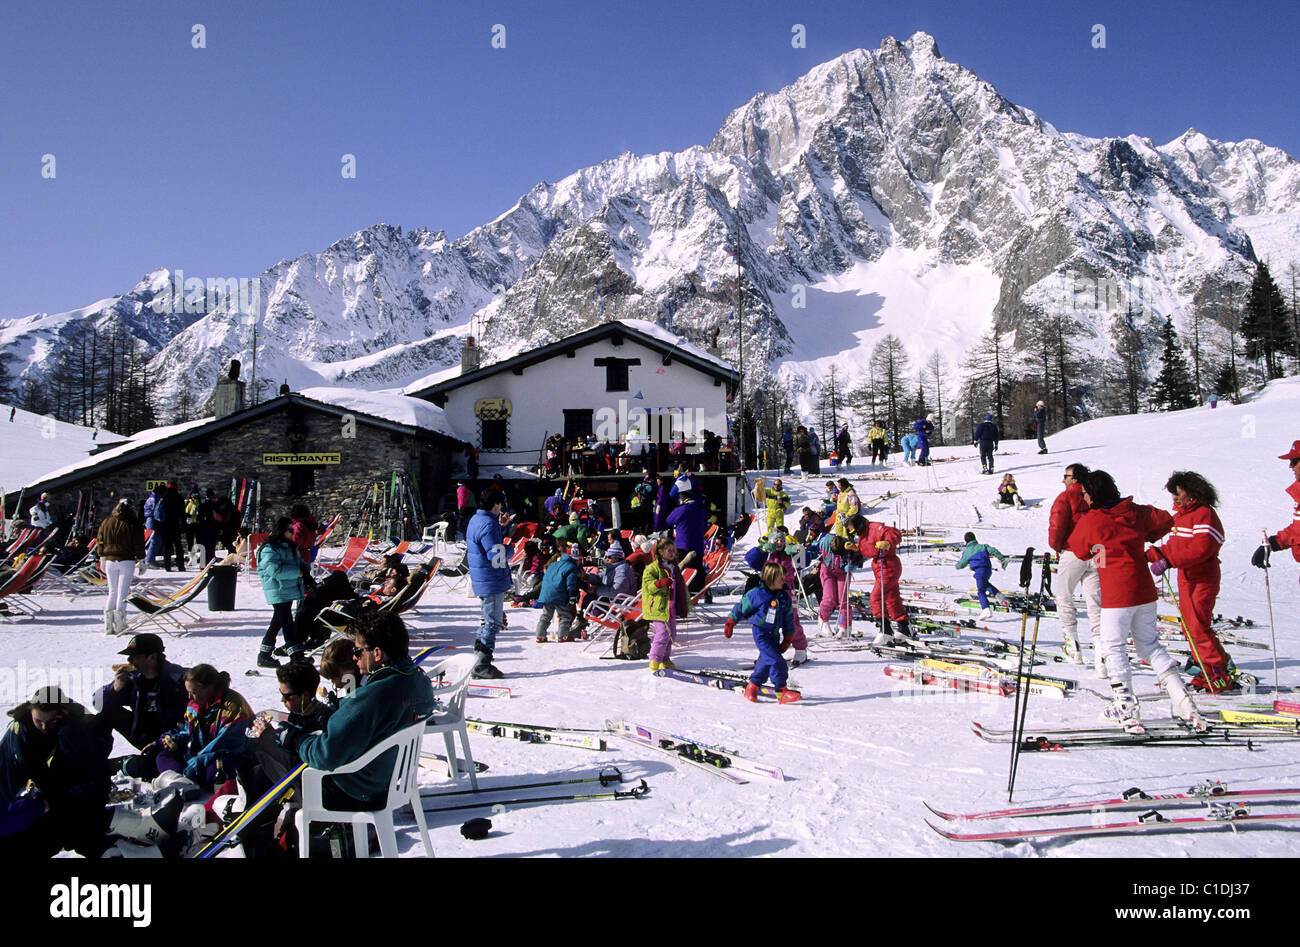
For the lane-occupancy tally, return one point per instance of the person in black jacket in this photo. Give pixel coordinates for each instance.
(54, 779)
(1040, 425)
(146, 699)
(986, 439)
(173, 527)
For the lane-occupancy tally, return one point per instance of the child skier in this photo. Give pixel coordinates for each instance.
(1009, 493)
(775, 550)
(772, 612)
(980, 559)
(663, 601)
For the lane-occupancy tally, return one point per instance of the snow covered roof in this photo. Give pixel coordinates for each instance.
(143, 439)
(647, 333)
(398, 408)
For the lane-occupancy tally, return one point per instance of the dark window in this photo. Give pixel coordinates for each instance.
(577, 423)
(302, 480)
(616, 374)
(495, 435)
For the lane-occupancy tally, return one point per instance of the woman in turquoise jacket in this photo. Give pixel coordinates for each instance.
(279, 566)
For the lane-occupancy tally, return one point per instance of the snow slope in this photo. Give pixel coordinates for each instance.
(32, 445)
(859, 754)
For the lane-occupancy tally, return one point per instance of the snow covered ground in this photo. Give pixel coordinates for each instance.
(32, 445)
(859, 755)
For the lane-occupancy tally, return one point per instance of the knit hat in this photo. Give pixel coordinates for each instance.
(575, 551)
(682, 484)
(614, 553)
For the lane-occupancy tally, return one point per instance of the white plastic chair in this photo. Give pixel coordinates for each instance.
(403, 789)
(451, 692)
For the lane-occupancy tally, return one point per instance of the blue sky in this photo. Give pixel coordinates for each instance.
(222, 161)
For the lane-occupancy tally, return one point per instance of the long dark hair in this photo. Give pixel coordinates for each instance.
(1101, 488)
(1195, 486)
(276, 536)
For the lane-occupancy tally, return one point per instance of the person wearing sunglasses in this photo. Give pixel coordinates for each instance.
(1288, 538)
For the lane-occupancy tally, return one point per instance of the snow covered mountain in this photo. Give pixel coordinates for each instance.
(887, 190)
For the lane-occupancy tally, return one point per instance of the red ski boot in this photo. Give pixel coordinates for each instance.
(787, 696)
(751, 692)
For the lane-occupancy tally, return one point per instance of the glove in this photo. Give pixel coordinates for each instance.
(1260, 559)
(785, 643)
(1004, 565)
(883, 545)
(728, 627)
(194, 770)
(663, 583)
(1158, 567)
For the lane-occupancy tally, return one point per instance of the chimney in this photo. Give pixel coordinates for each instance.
(469, 356)
(228, 396)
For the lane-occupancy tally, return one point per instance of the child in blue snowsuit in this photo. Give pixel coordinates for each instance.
(980, 559)
(924, 428)
(772, 612)
(910, 443)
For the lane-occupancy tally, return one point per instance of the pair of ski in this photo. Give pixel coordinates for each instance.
(1171, 733)
(727, 683)
(1226, 807)
(610, 775)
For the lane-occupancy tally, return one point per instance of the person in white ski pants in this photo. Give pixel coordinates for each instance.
(1072, 572)
(1138, 622)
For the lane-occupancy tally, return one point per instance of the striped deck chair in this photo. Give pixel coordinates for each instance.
(170, 609)
(353, 551)
(14, 600)
(335, 619)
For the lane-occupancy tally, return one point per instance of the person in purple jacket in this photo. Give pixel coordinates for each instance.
(664, 502)
(689, 522)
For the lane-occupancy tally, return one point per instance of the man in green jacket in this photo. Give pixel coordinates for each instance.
(395, 693)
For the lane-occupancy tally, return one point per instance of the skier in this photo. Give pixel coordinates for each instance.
(815, 443)
(1009, 493)
(778, 502)
(145, 700)
(910, 444)
(879, 543)
(878, 441)
(772, 611)
(833, 572)
(1193, 549)
(1040, 425)
(54, 779)
(663, 601)
(209, 743)
(787, 442)
(120, 544)
(489, 575)
(986, 439)
(803, 447)
(279, 566)
(689, 522)
(1288, 538)
(980, 559)
(40, 515)
(1073, 572)
(924, 428)
(1118, 529)
(774, 549)
(847, 506)
(561, 585)
(844, 447)
(664, 503)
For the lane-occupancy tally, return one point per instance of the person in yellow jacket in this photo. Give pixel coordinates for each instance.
(663, 601)
(878, 441)
(846, 507)
(778, 502)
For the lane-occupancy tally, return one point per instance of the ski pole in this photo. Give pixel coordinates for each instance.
(608, 775)
(1024, 684)
(1272, 628)
(634, 793)
(1026, 577)
(1182, 623)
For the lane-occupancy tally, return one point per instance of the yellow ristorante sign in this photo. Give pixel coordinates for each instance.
(299, 460)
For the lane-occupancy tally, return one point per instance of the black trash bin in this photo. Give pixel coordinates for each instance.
(221, 588)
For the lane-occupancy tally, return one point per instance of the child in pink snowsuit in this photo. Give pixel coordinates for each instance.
(834, 576)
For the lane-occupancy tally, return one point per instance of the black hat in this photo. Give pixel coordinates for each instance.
(476, 829)
(144, 644)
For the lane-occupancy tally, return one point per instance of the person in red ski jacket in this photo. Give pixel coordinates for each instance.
(1072, 572)
(1288, 538)
(1193, 549)
(1115, 531)
(305, 531)
(878, 543)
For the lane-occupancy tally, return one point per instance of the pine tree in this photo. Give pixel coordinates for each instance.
(889, 363)
(988, 371)
(1174, 388)
(1226, 382)
(1266, 324)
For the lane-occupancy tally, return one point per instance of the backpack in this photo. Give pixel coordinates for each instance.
(632, 641)
(159, 511)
